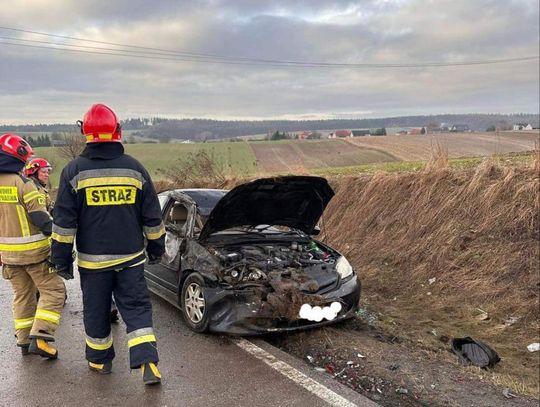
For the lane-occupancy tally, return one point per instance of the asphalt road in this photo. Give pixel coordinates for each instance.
(198, 370)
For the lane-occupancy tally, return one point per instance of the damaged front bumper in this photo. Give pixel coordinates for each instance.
(241, 311)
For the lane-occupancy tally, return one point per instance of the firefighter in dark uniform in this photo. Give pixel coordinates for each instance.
(107, 204)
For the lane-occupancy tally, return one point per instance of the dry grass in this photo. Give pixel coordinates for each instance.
(536, 157)
(476, 231)
(196, 170)
(439, 157)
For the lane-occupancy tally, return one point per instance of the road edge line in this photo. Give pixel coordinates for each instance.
(308, 383)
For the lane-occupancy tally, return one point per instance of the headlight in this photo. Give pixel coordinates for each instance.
(343, 267)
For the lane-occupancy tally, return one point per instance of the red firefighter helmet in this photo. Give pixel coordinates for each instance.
(34, 165)
(16, 146)
(100, 125)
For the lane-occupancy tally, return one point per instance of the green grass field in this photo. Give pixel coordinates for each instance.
(242, 159)
(237, 158)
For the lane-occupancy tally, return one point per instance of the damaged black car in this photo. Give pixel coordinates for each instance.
(245, 261)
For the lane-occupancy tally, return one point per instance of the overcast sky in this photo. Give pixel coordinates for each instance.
(46, 86)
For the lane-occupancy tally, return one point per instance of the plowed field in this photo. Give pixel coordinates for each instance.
(303, 155)
(412, 148)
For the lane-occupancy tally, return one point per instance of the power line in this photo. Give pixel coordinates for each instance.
(182, 56)
(174, 52)
(178, 59)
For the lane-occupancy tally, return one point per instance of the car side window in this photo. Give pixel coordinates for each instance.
(176, 219)
(163, 199)
(200, 220)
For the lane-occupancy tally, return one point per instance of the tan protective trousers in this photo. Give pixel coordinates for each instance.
(35, 318)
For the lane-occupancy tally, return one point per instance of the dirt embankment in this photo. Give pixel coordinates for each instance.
(441, 253)
(446, 254)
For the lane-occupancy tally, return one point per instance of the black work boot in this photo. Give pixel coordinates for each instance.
(150, 374)
(42, 348)
(100, 368)
(24, 349)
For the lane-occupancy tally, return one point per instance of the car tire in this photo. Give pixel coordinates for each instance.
(193, 303)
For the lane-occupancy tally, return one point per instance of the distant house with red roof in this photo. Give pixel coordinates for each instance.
(342, 134)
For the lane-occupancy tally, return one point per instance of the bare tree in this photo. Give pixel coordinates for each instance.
(196, 170)
(70, 144)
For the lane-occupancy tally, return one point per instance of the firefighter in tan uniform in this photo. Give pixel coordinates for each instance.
(38, 169)
(24, 251)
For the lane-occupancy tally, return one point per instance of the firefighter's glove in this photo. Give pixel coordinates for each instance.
(153, 259)
(66, 271)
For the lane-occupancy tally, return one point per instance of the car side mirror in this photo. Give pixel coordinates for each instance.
(316, 230)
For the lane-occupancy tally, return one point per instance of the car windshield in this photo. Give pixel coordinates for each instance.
(206, 199)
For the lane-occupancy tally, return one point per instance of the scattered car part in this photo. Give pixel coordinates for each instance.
(477, 353)
(533, 347)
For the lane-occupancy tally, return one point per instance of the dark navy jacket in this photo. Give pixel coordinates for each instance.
(107, 204)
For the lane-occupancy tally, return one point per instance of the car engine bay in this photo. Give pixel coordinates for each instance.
(283, 275)
(262, 263)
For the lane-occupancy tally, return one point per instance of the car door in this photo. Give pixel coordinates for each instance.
(158, 275)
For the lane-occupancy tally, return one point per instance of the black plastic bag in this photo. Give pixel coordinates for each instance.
(474, 352)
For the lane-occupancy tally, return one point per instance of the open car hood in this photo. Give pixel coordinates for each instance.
(294, 201)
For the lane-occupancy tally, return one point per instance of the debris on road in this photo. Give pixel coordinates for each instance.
(477, 353)
(481, 315)
(360, 356)
(508, 394)
(511, 321)
(432, 280)
(402, 390)
(534, 347)
(366, 315)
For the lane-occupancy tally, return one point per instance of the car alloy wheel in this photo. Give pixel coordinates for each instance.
(194, 303)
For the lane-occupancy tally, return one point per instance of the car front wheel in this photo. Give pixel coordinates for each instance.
(193, 303)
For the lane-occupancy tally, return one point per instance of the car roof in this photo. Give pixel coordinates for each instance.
(205, 198)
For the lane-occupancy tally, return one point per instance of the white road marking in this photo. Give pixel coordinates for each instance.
(295, 375)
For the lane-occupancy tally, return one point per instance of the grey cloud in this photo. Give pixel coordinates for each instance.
(330, 31)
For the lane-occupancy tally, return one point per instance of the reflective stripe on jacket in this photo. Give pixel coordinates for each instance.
(21, 242)
(108, 207)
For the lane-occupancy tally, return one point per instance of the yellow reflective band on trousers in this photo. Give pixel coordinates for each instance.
(25, 229)
(141, 339)
(8, 195)
(99, 344)
(49, 316)
(21, 244)
(24, 323)
(95, 262)
(62, 239)
(104, 181)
